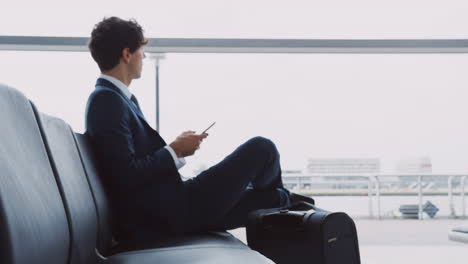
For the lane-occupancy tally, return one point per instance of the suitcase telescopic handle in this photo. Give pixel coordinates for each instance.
(285, 218)
(301, 206)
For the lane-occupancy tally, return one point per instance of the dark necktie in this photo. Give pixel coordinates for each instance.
(135, 101)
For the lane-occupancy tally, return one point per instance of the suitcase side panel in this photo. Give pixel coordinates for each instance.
(339, 237)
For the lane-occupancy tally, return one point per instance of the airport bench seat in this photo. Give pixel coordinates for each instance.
(459, 234)
(54, 209)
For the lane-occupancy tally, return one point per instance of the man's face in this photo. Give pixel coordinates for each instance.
(136, 62)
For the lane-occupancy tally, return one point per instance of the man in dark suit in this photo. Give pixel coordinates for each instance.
(141, 171)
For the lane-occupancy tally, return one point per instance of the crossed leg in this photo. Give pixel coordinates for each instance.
(248, 179)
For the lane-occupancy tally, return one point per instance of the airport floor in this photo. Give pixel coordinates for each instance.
(405, 241)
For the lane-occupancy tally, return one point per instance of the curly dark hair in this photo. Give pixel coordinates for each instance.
(110, 37)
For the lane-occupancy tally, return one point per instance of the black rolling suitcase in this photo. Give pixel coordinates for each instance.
(303, 233)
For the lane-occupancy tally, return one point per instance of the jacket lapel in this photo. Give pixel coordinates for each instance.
(107, 84)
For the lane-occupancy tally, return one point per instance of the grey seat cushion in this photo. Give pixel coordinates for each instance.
(91, 166)
(210, 247)
(205, 254)
(72, 181)
(33, 222)
(221, 238)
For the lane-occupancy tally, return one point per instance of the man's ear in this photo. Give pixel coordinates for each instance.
(126, 54)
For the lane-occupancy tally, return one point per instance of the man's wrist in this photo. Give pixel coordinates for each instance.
(176, 150)
(178, 162)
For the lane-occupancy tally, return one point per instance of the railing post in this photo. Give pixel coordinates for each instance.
(463, 180)
(450, 195)
(378, 195)
(420, 209)
(369, 193)
(299, 184)
(157, 57)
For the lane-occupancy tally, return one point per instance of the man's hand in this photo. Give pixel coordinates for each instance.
(187, 143)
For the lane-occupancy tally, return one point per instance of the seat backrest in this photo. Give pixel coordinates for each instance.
(102, 202)
(33, 220)
(72, 181)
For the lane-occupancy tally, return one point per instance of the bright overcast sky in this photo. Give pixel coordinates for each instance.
(245, 18)
(313, 106)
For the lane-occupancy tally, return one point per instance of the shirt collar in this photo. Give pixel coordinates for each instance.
(117, 83)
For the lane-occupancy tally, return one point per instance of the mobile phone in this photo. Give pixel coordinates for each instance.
(209, 127)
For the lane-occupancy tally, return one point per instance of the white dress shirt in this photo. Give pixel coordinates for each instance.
(179, 162)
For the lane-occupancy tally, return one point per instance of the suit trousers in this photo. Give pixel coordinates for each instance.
(222, 196)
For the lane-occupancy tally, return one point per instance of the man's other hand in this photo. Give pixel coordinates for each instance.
(187, 143)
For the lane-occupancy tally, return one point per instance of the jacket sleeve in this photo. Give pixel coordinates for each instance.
(108, 122)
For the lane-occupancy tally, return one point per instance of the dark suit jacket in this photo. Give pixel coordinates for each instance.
(146, 192)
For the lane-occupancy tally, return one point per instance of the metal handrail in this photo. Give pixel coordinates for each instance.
(374, 184)
(206, 45)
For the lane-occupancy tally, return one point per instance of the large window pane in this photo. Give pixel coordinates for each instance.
(388, 111)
